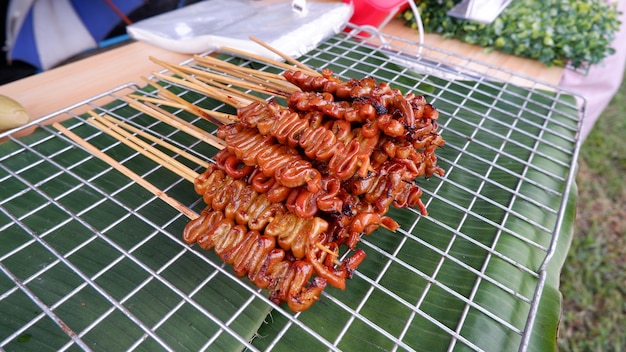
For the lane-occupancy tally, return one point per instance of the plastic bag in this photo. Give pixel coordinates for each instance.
(209, 25)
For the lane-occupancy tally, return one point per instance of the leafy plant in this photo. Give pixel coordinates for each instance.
(555, 32)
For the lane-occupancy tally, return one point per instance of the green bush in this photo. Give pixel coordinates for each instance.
(555, 32)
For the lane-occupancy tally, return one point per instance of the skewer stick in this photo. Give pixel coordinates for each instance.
(221, 83)
(201, 78)
(143, 148)
(186, 73)
(263, 59)
(287, 58)
(216, 117)
(212, 61)
(156, 140)
(270, 82)
(127, 172)
(270, 79)
(331, 253)
(203, 88)
(157, 101)
(177, 122)
(195, 84)
(222, 118)
(191, 129)
(232, 90)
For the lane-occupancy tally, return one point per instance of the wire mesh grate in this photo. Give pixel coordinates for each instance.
(92, 260)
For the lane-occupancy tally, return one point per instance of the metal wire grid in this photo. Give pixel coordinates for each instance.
(90, 260)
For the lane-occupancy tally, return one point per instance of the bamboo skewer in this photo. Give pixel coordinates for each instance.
(131, 136)
(187, 72)
(267, 83)
(203, 89)
(284, 56)
(127, 172)
(142, 147)
(250, 76)
(195, 131)
(264, 59)
(214, 62)
(217, 85)
(201, 78)
(176, 122)
(156, 140)
(273, 79)
(193, 83)
(216, 117)
(154, 100)
(109, 124)
(232, 90)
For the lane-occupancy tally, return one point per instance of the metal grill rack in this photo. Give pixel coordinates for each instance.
(91, 260)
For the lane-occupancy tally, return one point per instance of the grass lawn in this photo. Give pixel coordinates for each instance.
(593, 281)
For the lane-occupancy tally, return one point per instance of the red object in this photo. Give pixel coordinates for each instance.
(119, 12)
(374, 12)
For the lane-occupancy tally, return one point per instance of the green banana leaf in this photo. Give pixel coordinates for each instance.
(466, 276)
(90, 259)
(105, 257)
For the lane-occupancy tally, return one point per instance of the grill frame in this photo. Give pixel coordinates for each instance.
(348, 54)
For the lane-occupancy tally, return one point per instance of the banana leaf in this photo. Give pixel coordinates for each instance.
(466, 277)
(91, 259)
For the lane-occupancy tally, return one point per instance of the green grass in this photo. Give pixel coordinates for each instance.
(593, 281)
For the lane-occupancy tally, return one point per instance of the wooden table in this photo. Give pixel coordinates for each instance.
(61, 87)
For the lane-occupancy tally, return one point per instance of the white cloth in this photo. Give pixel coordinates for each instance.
(60, 32)
(602, 80)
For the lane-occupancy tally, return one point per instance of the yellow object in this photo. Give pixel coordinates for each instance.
(12, 114)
